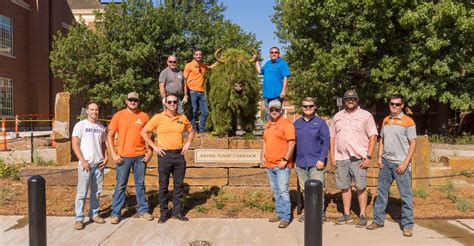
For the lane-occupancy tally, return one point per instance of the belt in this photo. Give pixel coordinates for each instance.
(173, 151)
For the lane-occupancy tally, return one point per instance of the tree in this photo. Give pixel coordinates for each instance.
(420, 49)
(127, 49)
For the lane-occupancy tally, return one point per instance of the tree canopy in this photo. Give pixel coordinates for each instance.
(127, 50)
(420, 49)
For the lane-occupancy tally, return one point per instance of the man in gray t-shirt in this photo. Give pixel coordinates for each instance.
(396, 148)
(171, 81)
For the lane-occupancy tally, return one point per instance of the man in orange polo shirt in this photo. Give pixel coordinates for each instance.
(194, 73)
(278, 145)
(131, 154)
(170, 126)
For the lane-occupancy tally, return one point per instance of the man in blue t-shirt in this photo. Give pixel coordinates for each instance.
(275, 78)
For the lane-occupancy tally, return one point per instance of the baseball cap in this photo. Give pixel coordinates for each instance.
(274, 104)
(132, 95)
(351, 94)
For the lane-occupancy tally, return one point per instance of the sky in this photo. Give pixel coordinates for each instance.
(254, 16)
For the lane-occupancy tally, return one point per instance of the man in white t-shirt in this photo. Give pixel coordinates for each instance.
(89, 144)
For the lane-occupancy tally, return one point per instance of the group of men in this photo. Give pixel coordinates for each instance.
(349, 142)
(305, 145)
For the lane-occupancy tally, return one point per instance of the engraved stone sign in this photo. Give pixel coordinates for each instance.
(227, 155)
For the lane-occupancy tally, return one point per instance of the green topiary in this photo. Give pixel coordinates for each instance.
(234, 93)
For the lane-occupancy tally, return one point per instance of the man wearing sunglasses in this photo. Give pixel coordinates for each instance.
(170, 147)
(194, 73)
(353, 136)
(277, 152)
(171, 82)
(132, 153)
(396, 149)
(312, 145)
(275, 78)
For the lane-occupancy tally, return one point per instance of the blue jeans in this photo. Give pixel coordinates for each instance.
(122, 174)
(386, 176)
(198, 99)
(94, 178)
(279, 179)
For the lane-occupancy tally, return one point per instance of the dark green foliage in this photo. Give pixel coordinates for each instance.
(226, 104)
(421, 49)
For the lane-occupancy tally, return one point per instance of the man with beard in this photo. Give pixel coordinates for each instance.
(353, 137)
(131, 153)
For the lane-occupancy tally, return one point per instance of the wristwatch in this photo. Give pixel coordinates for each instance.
(369, 157)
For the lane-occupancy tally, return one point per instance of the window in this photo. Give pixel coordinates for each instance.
(6, 35)
(6, 97)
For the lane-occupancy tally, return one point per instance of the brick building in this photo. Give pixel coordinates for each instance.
(27, 85)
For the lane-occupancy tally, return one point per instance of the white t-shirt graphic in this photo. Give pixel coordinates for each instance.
(92, 136)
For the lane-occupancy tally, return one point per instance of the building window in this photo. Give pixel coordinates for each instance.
(6, 97)
(6, 35)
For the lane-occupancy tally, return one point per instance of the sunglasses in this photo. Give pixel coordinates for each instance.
(308, 106)
(172, 62)
(274, 110)
(350, 99)
(172, 102)
(274, 52)
(395, 104)
(133, 100)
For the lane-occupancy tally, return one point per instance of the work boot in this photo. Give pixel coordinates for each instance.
(373, 226)
(78, 225)
(283, 224)
(114, 220)
(274, 219)
(146, 216)
(407, 232)
(98, 220)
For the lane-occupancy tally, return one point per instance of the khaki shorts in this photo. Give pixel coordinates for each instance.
(348, 171)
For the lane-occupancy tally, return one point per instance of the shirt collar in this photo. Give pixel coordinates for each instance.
(399, 116)
(358, 107)
(277, 60)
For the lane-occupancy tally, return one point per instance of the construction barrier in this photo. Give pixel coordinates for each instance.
(3, 144)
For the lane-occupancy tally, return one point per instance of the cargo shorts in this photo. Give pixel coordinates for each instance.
(348, 171)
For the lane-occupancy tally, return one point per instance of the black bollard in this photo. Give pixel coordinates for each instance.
(37, 210)
(313, 206)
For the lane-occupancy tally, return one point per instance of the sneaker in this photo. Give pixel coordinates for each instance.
(362, 222)
(407, 232)
(114, 220)
(146, 216)
(274, 219)
(78, 225)
(283, 224)
(98, 220)
(344, 219)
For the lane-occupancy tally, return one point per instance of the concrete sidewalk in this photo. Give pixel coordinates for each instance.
(133, 231)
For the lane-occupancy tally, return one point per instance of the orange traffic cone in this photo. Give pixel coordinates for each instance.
(3, 143)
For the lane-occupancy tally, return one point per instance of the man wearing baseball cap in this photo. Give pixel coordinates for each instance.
(278, 145)
(353, 136)
(131, 153)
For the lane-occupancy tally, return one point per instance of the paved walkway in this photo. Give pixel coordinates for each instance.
(133, 231)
